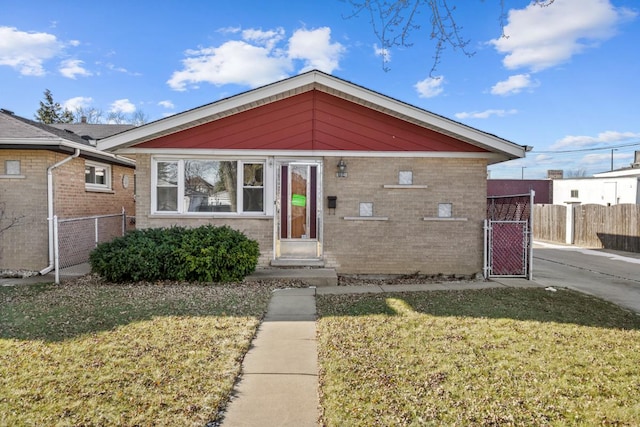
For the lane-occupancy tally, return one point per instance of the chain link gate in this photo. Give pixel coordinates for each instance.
(508, 233)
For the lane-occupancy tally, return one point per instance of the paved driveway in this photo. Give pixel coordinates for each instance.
(611, 275)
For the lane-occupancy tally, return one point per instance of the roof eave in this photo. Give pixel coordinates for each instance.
(59, 144)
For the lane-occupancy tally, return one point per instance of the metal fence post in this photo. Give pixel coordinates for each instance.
(531, 225)
(56, 250)
(97, 237)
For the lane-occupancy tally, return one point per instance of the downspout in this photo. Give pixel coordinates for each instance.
(50, 207)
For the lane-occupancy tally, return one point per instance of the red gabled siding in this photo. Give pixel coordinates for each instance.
(312, 120)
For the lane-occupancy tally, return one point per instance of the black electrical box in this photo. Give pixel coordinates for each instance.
(333, 201)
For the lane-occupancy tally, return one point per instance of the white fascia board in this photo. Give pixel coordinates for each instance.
(57, 142)
(31, 141)
(177, 152)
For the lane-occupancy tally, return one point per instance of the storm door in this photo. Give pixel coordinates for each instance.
(298, 216)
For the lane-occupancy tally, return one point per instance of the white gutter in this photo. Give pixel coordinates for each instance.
(50, 207)
(62, 142)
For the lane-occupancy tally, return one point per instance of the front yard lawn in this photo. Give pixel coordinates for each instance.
(481, 357)
(87, 353)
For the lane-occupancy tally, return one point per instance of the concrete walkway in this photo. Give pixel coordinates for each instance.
(279, 381)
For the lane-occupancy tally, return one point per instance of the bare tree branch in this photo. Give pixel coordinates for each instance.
(393, 22)
(7, 222)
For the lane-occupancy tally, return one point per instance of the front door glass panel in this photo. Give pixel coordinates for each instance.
(299, 202)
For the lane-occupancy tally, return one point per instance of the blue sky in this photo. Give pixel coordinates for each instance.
(564, 81)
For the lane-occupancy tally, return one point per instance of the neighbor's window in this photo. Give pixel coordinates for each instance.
(209, 185)
(12, 167)
(97, 175)
(574, 193)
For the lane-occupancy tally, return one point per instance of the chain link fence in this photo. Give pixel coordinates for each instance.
(77, 237)
(508, 236)
(508, 246)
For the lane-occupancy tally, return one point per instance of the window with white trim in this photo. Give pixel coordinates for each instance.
(197, 186)
(97, 176)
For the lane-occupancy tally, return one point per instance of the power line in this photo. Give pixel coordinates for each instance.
(586, 149)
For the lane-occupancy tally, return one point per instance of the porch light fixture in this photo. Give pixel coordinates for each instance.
(342, 169)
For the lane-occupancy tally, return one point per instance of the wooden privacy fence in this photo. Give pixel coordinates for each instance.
(550, 223)
(611, 227)
(593, 226)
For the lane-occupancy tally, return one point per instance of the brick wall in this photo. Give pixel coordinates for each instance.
(403, 244)
(406, 243)
(26, 245)
(73, 200)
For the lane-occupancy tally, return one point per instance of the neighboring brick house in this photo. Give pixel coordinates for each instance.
(321, 171)
(47, 171)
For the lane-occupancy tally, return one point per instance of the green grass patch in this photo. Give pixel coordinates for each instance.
(87, 353)
(481, 357)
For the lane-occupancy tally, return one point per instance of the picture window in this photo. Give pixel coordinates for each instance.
(209, 185)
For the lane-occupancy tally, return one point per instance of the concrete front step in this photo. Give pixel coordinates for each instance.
(310, 276)
(296, 262)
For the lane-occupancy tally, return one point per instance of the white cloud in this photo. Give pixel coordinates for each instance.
(76, 103)
(229, 30)
(233, 62)
(113, 67)
(543, 158)
(122, 106)
(257, 59)
(268, 39)
(485, 114)
(514, 84)
(581, 141)
(71, 68)
(382, 52)
(430, 87)
(314, 47)
(541, 37)
(593, 159)
(27, 52)
(166, 104)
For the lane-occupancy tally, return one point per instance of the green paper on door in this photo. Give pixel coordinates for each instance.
(298, 200)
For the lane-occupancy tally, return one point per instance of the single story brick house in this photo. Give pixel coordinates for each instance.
(47, 171)
(322, 172)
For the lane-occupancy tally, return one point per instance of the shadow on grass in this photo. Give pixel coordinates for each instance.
(535, 304)
(51, 312)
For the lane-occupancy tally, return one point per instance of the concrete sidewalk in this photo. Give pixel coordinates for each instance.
(279, 381)
(65, 274)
